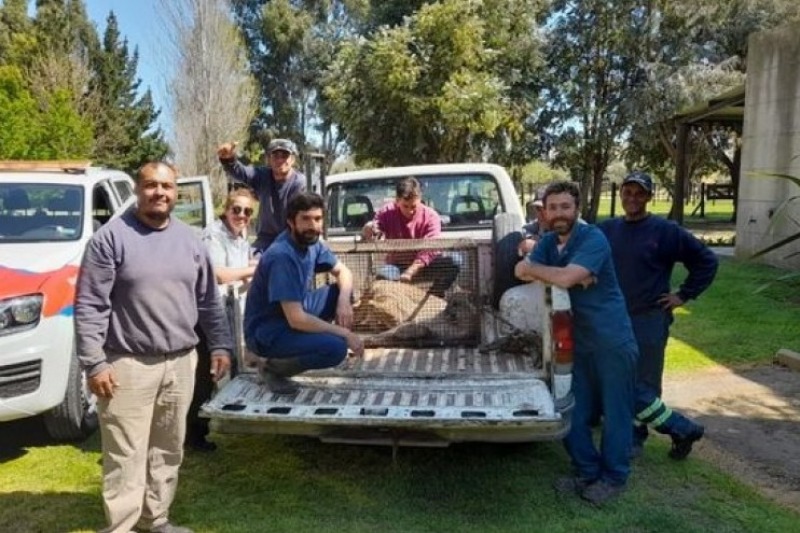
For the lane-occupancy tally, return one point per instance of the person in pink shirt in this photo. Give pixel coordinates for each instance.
(408, 218)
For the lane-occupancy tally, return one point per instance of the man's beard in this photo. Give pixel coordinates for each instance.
(562, 226)
(305, 238)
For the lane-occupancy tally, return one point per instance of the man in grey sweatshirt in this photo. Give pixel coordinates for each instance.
(145, 281)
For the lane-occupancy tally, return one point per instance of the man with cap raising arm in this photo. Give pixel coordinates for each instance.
(645, 248)
(274, 185)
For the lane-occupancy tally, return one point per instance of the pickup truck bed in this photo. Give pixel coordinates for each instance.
(400, 396)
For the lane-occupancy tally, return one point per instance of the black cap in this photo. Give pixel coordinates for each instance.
(644, 180)
(282, 144)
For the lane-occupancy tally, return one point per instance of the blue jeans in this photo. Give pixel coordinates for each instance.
(603, 382)
(312, 350)
(652, 331)
(442, 271)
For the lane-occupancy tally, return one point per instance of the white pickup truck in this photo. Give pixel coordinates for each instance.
(491, 361)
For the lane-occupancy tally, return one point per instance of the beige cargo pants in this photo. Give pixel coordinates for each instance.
(142, 428)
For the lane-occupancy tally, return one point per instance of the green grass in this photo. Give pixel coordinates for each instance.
(730, 324)
(283, 484)
(715, 212)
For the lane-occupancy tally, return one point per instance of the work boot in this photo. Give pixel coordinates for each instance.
(682, 446)
(571, 485)
(276, 373)
(600, 493)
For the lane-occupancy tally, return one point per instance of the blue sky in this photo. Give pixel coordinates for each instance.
(139, 23)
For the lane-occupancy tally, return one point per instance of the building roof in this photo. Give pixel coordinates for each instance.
(727, 108)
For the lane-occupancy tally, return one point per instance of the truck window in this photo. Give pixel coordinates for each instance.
(463, 200)
(35, 212)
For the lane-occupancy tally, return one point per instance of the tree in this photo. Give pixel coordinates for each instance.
(32, 130)
(597, 51)
(449, 84)
(290, 45)
(213, 94)
(16, 38)
(124, 134)
(707, 47)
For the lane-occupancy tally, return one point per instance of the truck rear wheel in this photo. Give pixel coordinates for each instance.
(75, 418)
(506, 236)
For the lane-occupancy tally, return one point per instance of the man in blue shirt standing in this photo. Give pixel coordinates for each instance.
(577, 257)
(274, 185)
(286, 321)
(645, 249)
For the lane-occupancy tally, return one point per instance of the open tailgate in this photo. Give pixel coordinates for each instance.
(400, 396)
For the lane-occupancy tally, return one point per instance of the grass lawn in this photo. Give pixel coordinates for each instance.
(716, 211)
(283, 484)
(730, 324)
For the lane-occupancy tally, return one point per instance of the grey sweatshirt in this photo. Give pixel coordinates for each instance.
(141, 291)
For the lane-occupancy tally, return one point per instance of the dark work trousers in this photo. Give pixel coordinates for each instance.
(442, 271)
(313, 350)
(197, 427)
(652, 332)
(603, 382)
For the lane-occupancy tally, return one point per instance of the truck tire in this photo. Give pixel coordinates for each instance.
(75, 418)
(506, 236)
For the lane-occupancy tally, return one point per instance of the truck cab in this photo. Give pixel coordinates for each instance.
(489, 361)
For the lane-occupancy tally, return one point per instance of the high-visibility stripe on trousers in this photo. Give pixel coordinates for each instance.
(656, 415)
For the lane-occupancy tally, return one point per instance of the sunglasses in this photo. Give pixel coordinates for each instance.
(238, 210)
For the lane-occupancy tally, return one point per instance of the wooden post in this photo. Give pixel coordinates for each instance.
(613, 198)
(702, 200)
(681, 168)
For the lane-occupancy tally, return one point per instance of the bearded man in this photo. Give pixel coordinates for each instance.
(577, 257)
(292, 327)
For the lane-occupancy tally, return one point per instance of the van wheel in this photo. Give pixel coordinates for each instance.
(76, 417)
(506, 236)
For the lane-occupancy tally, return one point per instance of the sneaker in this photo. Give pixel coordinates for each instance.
(170, 528)
(682, 446)
(278, 384)
(600, 493)
(571, 485)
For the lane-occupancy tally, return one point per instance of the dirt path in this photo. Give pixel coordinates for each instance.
(752, 420)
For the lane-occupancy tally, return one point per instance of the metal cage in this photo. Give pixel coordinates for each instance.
(439, 306)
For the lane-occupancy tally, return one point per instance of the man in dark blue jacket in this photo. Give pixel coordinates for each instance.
(645, 249)
(274, 185)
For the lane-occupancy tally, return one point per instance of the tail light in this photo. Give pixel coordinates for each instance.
(563, 346)
(562, 337)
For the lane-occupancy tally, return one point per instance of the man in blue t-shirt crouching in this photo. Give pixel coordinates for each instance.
(288, 323)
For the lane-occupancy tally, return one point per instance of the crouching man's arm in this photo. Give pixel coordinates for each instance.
(344, 307)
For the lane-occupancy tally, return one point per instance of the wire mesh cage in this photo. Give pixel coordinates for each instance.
(438, 306)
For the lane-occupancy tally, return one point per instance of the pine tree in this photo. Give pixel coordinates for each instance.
(123, 120)
(15, 31)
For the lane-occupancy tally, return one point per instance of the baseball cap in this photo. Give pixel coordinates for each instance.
(644, 180)
(282, 144)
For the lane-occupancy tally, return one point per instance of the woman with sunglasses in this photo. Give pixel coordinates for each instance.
(230, 251)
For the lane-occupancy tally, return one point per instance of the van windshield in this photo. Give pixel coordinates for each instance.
(463, 201)
(35, 212)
